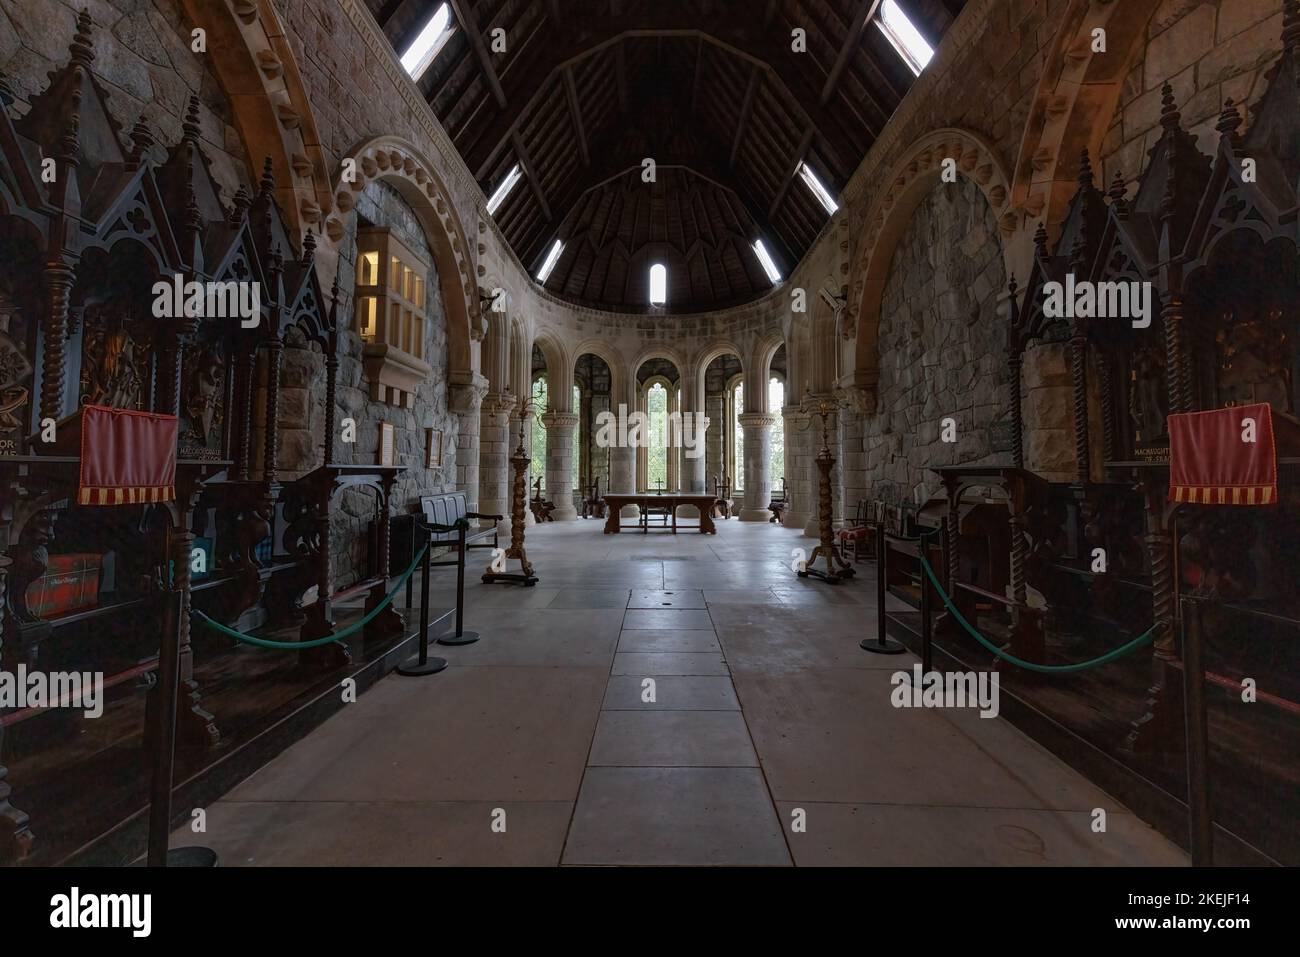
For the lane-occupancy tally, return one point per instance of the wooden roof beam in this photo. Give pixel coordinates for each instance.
(862, 14)
(466, 21)
(800, 152)
(755, 76)
(575, 113)
(531, 172)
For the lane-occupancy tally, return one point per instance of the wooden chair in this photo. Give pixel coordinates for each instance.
(858, 536)
(722, 500)
(540, 507)
(661, 512)
(779, 505)
(593, 506)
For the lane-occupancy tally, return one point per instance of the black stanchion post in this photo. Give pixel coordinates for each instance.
(422, 664)
(164, 739)
(883, 645)
(927, 609)
(461, 637)
(1197, 739)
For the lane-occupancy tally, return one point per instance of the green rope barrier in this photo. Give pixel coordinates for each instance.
(1119, 652)
(366, 619)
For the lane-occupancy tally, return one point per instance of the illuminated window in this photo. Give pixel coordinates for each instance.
(776, 401)
(658, 284)
(549, 263)
(736, 407)
(765, 260)
(906, 39)
(818, 190)
(499, 195)
(390, 315)
(428, 43)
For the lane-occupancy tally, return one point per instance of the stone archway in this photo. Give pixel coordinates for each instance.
(401, 165)
(1077, 96)
(912, 178)
(253, 60)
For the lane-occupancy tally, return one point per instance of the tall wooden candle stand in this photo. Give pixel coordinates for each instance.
(518, 503)
(836, 567)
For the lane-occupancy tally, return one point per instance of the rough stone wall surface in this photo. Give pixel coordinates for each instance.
(1209, 52)
(142, 60)
(381, 205)
(941, 345)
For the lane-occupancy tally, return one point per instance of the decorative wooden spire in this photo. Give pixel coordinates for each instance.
(1170, 118)
(1116, 194)
(1040, 238)
(142, 142)
(309, 249)
(1085, 170)
(239, 206)
(82, 48)
(190, 125)
(1229, 123)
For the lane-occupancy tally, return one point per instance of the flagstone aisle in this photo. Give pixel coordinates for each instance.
(764, 711)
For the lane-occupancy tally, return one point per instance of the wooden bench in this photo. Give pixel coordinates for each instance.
(593, 506)
(723, 504)
(445, 509)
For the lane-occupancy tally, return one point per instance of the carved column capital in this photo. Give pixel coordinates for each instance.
(559, 421)
(756, 420)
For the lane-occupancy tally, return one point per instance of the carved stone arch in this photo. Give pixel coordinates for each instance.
(250, 53)
(912, 178)
(400, 164)
(705, 356)
(559, 368)
(1077, 96)
(765, 351)
(618, 374)
(657, 350)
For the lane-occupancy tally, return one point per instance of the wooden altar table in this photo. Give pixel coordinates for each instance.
(615, 502)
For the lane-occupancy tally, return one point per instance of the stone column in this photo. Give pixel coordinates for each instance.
(494, 458)
(758, 465)
(467, 390)
(560, 427)
(796, 467)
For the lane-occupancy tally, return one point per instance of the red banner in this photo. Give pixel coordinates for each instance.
(127, 457)
(1223, 457)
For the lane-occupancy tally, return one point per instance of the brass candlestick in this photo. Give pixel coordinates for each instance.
(836, 567)
(518, 505)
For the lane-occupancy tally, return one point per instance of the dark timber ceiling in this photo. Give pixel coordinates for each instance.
(710, 89)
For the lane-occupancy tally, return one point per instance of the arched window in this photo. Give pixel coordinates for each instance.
(658, 284)
(657, 451)
(775, 402)
(736, 460)
(538, 432)
(578, 444)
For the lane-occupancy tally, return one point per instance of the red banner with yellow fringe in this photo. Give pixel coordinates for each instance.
(127, 457)
(1223, 457)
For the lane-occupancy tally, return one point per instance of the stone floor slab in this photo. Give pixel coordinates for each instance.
(668, 663)
(668, 619)
(675, 816)
(671, 739)
(671, 693)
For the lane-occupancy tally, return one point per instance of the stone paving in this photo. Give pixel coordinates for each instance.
(770, 739)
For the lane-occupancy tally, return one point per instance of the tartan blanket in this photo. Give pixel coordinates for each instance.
(127, 457)
(1223, 457)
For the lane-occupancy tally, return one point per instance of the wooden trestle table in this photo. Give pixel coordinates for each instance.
(616, 501)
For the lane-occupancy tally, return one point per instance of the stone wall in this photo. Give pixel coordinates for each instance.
(941, 347)
(142, 60)
(1209, 52)
(381, 205)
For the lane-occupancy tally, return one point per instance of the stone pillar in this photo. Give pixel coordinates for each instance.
(494, 451)
(467, 390)
(758, 465)
(560, 427)
(796, 468)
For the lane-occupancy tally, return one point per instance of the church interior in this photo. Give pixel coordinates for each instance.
(621, 433)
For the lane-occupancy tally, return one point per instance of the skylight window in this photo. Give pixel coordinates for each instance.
(909, 43)
(820, 191)
(502, 191)
(658, 284)
(549, 263)
(769, 267)
(427, 45)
